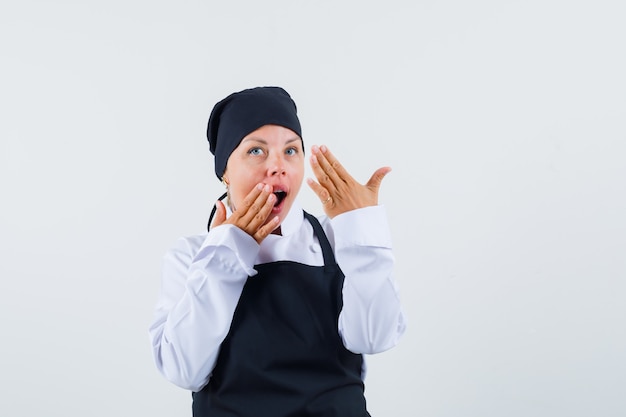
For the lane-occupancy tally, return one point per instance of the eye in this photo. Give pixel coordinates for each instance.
(292, 151)
(255, 151)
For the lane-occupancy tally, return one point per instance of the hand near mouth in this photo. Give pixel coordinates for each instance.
(251, 216)
(338, 191)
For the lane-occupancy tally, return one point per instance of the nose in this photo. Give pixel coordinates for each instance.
(276, 166)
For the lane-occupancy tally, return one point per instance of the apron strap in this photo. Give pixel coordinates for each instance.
(327, 250)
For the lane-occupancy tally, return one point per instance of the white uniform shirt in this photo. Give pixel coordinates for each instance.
(204, 275)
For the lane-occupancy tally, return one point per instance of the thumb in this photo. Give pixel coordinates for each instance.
(220, 214)
(377, 178)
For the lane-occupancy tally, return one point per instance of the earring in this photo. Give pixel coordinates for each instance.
(225, 182)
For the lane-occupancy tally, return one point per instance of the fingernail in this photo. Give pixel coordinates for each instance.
(259, 186)
(315, 149)
(323, 148)
(267, 188)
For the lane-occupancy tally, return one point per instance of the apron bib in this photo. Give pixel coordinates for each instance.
(283, 356)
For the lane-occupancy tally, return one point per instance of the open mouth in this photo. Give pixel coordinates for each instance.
(280, 196)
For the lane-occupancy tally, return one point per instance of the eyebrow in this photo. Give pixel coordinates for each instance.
(261, 140)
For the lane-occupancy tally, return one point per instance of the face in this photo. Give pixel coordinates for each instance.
(270, 155)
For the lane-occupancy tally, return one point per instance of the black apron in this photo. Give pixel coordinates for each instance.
(283, 356)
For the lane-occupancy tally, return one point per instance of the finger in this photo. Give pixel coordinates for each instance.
(250, 206)
(250, 199)
(323, 171)
(265, 230)
(259, 210)
(332, 165)
(265, 211)
(321, 192)
(377, 178)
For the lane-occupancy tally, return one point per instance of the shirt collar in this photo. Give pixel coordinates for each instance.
(293, 221)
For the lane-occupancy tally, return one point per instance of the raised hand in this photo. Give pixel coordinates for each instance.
(338, 191)
(251, 216)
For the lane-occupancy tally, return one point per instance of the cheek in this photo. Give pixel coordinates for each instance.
(296, 182)
(297, 169)
(242, 187)
(243, 178)
(237, 194)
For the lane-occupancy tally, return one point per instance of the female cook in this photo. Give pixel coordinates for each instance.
(270, 312)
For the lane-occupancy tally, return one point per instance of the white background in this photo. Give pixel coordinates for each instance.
(504, 123)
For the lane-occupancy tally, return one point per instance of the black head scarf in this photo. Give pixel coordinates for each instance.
(244, 112)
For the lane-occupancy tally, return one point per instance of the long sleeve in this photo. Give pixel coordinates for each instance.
(371, 320)
(204, 275)
(202, 281)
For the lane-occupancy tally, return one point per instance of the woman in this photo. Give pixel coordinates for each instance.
(271, 311)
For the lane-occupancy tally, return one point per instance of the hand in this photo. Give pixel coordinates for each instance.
(252, 214)
(336, 188)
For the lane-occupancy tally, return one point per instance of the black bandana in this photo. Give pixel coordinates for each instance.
(244, 112)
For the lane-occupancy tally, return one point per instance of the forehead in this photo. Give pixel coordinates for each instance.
(272, 134)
